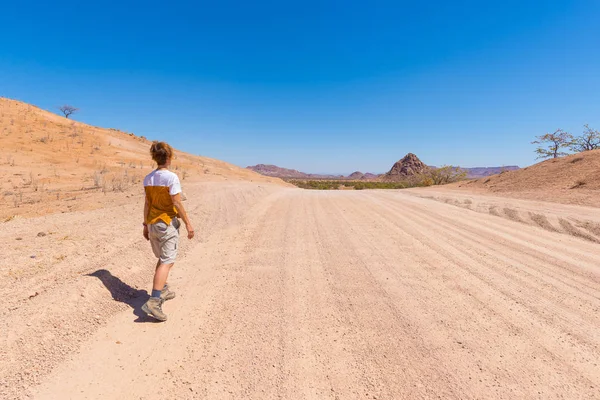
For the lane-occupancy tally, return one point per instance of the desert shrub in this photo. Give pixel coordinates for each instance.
(444, 175)
(97, 177)
(118, 184)
(337, 184)
(427, 181)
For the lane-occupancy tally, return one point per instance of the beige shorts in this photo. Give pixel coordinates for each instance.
(164, 240)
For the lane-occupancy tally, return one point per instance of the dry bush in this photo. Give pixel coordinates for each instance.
(118, 184)
(443, 175)
(97, 177)
(121, 183)
(541, 221)
(18, 199)
(427, 181)
(573, 231)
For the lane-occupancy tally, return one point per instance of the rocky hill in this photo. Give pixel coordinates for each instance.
(369, 176)
(408, 167)
(356, 175)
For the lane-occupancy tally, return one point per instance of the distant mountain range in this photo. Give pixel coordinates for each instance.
(286, 173)
(407, 166)
(480, 172)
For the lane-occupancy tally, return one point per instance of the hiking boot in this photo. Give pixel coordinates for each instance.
(167, 294)
(153, 307)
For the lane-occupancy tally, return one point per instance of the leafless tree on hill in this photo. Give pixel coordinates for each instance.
(589, 140)
(553, 143)
(68, 110)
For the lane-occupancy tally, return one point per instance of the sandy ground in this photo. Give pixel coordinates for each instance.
(293, 294)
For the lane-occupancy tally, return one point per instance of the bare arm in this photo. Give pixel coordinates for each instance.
(146, 211)
(181, 211)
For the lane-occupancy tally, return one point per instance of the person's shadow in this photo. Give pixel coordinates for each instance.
(120, 291)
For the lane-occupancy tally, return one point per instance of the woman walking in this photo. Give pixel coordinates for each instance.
(162, 211)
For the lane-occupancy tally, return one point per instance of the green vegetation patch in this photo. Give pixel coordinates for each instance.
(346, 185)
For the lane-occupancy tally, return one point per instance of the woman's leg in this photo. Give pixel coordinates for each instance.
(161, 275)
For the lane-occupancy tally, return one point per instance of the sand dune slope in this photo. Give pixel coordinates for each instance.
(53, 164)
(340, 295)
(574, 179)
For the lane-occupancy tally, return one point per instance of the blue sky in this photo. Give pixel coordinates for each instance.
(319, 86)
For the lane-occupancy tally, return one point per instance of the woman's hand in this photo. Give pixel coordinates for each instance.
(146, 232)
(190, 231)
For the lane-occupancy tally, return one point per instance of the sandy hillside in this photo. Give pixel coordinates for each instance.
(53, 164)
(296, 294)
(574, 179)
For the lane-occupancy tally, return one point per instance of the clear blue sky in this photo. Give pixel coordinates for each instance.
(319, 86)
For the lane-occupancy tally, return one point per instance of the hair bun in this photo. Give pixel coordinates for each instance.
(161, 152)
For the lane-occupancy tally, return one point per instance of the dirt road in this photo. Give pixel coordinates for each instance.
(348, 295)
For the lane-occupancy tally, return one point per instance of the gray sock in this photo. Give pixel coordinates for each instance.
(155, 293)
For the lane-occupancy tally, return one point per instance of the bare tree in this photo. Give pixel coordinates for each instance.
(68, 110)
(552, 143)
(589, 140)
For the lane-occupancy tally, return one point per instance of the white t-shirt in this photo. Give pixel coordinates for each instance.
(164, 177)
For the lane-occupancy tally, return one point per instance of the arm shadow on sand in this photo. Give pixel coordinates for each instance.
(120, 291)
